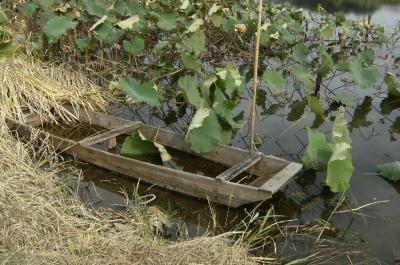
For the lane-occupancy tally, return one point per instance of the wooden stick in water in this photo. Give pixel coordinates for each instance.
(255, 77)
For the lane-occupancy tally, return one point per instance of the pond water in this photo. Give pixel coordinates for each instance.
(374, 122)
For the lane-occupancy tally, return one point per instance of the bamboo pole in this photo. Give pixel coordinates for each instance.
(255, 77)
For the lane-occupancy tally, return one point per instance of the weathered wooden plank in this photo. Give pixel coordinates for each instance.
(109, 134)
(99, 119)
(281, 178)
(239, 168)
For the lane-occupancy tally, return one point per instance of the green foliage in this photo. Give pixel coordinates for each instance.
(206, 40)
(191, 63)
(137, 45)
(336, 156)
(195, 42)
(318, 151)
(304, 75)
(315, 104)
(142, 92)
(137, 145)
(167, 21)
(301, 53)
(96, 8)
(390, 171)
(107, 33)
(84, 44)
(189, 84)
(393, 85)
(274, 80)
(340, 165)
(365, 76)
(204, 131)
(57, 26)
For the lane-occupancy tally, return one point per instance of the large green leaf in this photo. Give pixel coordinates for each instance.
(96, 8)
(137, 145)
(195, 42)
(340, 165)
(390, 170)
(364, 76)
(274, 80)
(304, 75)
(189, 84)
(230, 79)
(167, 21)
(326, 62)
(315, 104)
(191, 63)
(142, 92)
(29, 9)
(340, 168)
(107, 33)
(137, 45)
(301, 52)
(57, 26)
(224, 109)
(318, 151)
(204, 132)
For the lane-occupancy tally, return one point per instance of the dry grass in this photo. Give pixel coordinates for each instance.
(43, 222)
(44, 89)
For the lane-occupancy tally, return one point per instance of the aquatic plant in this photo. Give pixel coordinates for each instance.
(188, 53)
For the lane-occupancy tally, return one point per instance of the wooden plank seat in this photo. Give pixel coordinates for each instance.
(239, 168)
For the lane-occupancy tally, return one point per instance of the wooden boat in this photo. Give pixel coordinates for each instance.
(269, 173)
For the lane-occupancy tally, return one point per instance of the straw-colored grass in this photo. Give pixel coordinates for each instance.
(43, 222)
(43, 89)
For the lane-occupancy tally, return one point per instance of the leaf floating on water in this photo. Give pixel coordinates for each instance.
(138, 145)
(390, 171)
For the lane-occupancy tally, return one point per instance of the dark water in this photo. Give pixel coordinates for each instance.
(374, 122)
